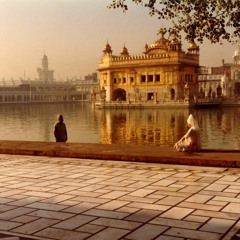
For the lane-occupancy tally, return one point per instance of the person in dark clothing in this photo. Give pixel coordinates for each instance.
(60, 130)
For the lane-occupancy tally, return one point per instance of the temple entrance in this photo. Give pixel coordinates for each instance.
(119, 95)
(172, 92)
(150, 96)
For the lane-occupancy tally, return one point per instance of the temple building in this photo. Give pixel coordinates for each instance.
(163, 72)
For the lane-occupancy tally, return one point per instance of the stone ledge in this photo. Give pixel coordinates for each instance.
(151, 154)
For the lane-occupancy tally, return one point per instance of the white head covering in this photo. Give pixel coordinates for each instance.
(194, 125)
(192, 121)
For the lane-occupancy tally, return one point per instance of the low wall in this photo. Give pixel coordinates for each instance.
(148, 154)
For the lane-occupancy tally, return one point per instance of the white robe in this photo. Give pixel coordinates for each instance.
(190, 141)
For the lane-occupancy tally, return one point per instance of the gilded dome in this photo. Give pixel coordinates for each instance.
(107, 49)
(160, 43)
(174, 41)
(124, 51)
(193, 46)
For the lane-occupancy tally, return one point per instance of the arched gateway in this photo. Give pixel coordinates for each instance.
(119, 95)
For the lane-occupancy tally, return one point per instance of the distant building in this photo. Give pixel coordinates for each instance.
(209, 85)
(45, 89)
(89, 84)
(44, 74)
(163, 72)
(91, 78)
(222, 81)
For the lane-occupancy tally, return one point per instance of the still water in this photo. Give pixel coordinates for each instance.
(220, 128)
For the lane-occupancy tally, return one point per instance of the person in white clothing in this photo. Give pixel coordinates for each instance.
(190, 142)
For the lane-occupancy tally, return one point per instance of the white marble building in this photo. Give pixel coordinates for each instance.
(222, 81)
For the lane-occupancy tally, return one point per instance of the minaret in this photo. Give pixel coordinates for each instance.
(45, 63)
(44, 74)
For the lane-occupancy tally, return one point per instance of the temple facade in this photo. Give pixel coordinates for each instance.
(163, 72)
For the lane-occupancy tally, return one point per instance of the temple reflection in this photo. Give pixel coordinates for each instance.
(220, 128)
(162, 127)
(142, 127)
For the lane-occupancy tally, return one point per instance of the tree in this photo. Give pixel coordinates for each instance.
(215, 20)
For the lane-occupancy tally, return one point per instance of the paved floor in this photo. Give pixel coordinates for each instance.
(73, 199)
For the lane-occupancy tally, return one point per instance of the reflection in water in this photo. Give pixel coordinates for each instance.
(142, 127)
(35, 122)
(220, 128)
(163, 127)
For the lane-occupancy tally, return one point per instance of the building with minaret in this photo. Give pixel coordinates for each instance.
(164, 71)
(44, 74)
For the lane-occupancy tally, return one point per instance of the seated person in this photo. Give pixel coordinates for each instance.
(60, 130)
(190, 142)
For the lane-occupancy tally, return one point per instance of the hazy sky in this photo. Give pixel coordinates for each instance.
(73, 33)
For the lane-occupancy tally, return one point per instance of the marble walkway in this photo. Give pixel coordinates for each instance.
(73, 199)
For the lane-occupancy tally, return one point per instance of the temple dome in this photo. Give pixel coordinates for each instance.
(175, 44)
(107, 49)
(193, 46)
(160, 43)
(175, 41)
(124, 51)
(159, 46)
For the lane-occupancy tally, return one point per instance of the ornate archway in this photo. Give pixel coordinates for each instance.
(119, 95)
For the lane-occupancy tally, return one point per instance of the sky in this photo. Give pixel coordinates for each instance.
(73, 33)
